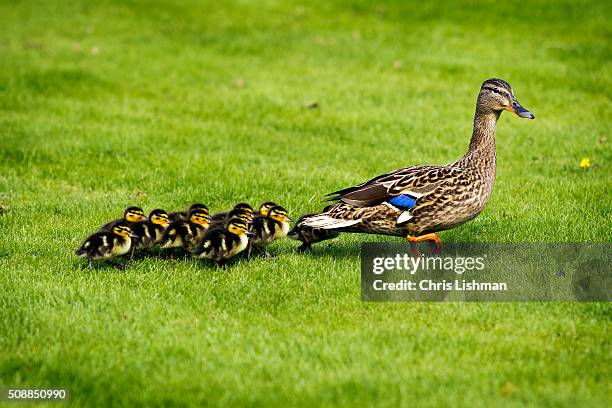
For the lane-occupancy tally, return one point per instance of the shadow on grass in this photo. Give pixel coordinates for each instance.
(338, 248)
(335, 248)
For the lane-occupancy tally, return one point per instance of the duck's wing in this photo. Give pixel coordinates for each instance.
(401, 187)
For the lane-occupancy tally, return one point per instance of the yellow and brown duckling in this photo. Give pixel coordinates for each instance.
(107, 244)
(130, 215)
(187, 234)
(240, 210)
(265, 229)
(221, 244)
(184, 215)
(265, 207)
(310, 235)
(151, 231)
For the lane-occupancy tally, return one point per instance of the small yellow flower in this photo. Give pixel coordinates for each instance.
(585, 163)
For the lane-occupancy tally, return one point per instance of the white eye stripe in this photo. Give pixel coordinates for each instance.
(497, 91)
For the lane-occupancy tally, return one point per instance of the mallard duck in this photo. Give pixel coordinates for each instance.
(151, 231)
(240, 210)
(265, 207)
(107, 244)
(309, 235)
(416, 202)
(184, 215)
(130, 215)
(186, 234)
(265, 229)
(221, 244)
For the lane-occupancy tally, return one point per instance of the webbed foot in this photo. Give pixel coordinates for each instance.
(435, 247)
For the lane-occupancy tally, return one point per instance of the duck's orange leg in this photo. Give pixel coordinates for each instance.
(433, 238)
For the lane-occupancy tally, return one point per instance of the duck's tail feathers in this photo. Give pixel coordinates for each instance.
(334, 198)
(325, 221)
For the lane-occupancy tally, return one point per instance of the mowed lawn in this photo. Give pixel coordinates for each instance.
(159, 104)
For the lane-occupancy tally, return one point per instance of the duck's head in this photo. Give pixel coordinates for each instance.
(159, 217)
(134, 214)
(122, 229)
(198, 206)
(264, 208)
(199, 216)
(241, 213)
(244, 207)
(278, 213)
(238, 226)
(242, 210)
(496, 95)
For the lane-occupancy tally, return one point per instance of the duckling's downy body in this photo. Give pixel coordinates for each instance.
(186, 234)
(416, 202)
(107, 244)
(130, 215)
(220, 244)
(151, 231)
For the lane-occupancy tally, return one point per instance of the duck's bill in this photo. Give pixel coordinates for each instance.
(289, 219)
(520, 111)
(132, 235)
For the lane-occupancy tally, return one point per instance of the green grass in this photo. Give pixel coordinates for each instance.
(160, 104)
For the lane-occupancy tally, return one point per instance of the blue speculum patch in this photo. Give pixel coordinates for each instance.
(403, 201)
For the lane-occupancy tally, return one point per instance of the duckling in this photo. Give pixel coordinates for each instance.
(184, 215)
(269, 228)
(241, 209)
(151, 231)
(187, 234)
(265, 207)
(130, 215)
(310, 235)
(107, 244)
(221, 244)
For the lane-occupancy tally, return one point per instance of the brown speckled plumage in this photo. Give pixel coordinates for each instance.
(445, 196)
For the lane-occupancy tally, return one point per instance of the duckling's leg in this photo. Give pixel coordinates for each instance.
(249, 250)
(433, 238)
(304, 247)
(90, 264)
(263, 251)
